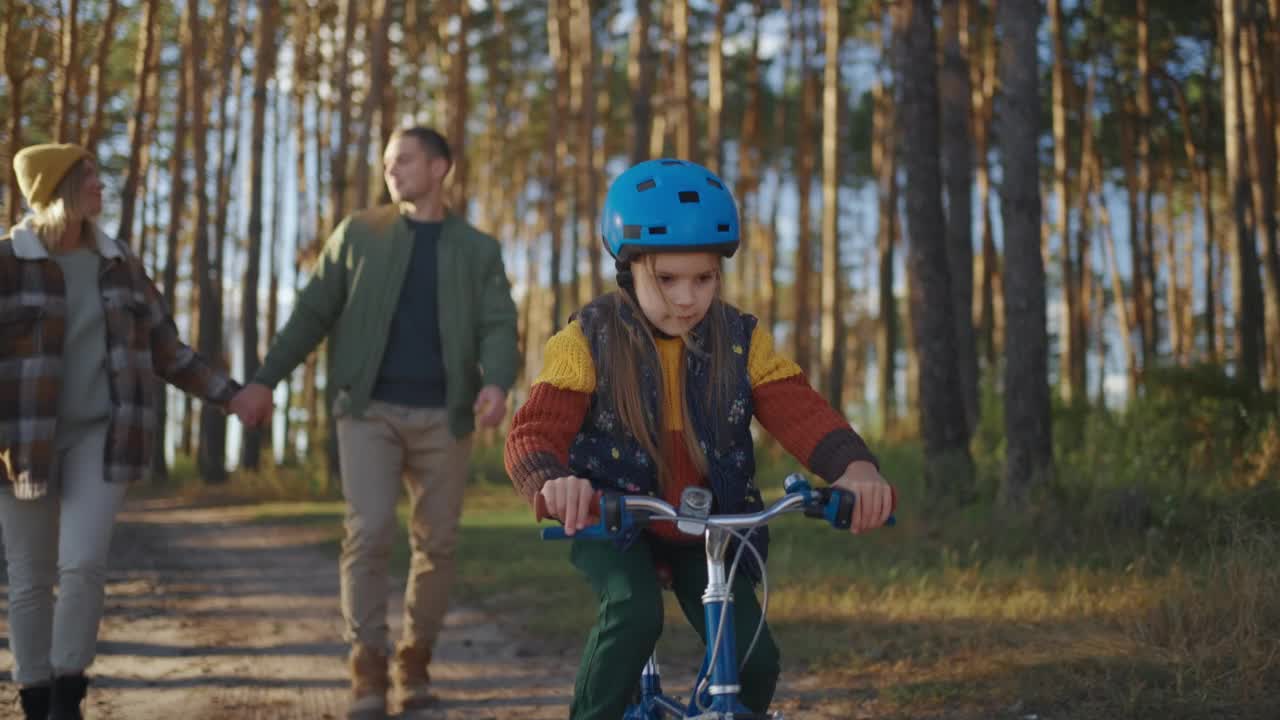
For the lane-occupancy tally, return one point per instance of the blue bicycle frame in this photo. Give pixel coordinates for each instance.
(715, 692)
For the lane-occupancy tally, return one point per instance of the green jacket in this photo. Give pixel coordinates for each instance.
(353, 294)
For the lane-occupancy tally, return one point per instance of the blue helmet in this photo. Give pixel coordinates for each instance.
(668, 206)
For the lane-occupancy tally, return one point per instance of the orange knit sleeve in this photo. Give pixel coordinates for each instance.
(543, 430)
(797, 416)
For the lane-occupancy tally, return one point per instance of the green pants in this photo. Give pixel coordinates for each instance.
(629, 621)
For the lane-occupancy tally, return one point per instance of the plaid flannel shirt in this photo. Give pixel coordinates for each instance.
(142, 343)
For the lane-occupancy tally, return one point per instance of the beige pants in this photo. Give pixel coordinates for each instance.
(389, 446)
(61, 538)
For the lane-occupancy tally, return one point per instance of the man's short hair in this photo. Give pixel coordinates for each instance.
(432, 140)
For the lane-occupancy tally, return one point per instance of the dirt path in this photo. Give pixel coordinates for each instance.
(210, 615)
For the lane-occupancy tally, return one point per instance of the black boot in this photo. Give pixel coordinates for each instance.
(35, 701)
(68, 692)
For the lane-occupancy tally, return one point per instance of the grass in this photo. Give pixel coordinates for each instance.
(1001, 625)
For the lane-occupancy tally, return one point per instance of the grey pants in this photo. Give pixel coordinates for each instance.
(61, 538)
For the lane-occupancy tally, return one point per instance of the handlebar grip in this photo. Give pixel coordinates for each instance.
(612, 519)
(590, 532)
(839, 509)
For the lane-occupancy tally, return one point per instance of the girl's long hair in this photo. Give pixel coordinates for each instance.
(631, 346)
(52, 219)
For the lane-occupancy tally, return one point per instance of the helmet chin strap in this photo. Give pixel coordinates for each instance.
(626, 281)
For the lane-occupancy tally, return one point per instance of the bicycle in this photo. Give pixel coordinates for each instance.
(716, 687)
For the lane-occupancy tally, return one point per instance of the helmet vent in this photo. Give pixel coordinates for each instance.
(631, 232)
(714, 183)
(672, 162)
(688, 196)
(658, 230)
(722, 228)
(646, 185)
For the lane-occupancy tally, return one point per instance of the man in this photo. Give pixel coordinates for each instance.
(422, 329)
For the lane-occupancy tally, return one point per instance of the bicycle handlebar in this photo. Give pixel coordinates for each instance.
(619, 513)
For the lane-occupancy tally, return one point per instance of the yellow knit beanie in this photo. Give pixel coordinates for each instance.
(41, 167)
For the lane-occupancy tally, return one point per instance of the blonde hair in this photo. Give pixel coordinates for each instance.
(634, 345)
(53, 218)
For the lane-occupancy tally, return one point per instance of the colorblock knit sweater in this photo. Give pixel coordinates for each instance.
(547, 425)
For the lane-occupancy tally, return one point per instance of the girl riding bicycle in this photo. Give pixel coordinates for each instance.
(651, 389)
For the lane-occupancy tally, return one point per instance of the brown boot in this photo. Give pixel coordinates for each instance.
(369, 684)
(413, 682)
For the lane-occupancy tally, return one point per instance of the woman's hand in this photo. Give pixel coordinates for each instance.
(875, 496)
(570, 500)
(252, 404)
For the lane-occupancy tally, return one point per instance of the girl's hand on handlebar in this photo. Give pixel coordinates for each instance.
(572, 501)
(875, 496)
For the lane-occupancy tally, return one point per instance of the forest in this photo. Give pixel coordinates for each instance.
(1029, 247)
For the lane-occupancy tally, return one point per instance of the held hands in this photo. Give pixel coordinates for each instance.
(253, 404)
(490, 406)
(875, 497)
(570, 500)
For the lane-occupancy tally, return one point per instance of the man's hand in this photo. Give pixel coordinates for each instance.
(253, 404)
(875, 497)
(490, 406)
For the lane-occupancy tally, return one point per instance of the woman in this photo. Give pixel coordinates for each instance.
(83, 333)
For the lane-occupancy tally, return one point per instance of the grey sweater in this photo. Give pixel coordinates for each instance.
(85, 397)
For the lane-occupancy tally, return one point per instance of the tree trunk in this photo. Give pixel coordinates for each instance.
(19, 48)
(948, 466)
(832, 334)
(1029, 463)
(279, 125)
(99, 80)
(1133, 190)
(69, 58)
(211, 456)
(1081, 318)
(884, 167)
(747, 187)
(1246, 281)
(460, 108)
(801, 302)
(1146, 189)
(1119, 299)
(1070, 376)
(1212, 268)
(782, 128)
(264, 68)
(1197, 169)
(640, 76)
(343, 91)
(1261, 155)
(177, 200)
(390, 101)
(1170, 251)
(715, 90)
(663, 91)
(145, 248)
(984, 88)
(958, 179)
(686, 132)
(379, 73)
(138, 122)
(304, 70)
(557, 148)
(588, 202)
